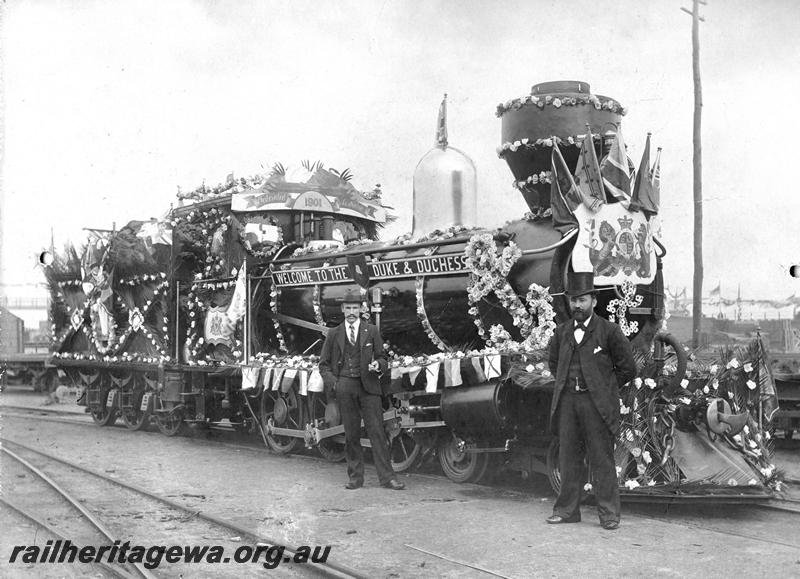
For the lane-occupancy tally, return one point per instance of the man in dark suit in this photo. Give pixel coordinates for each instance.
(590, 359)
(351, 364)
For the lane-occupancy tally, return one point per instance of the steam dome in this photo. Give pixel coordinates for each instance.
(445, 185)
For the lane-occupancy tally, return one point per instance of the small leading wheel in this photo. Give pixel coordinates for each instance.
(460, 466)
(104, 415)
(405, 451)
(170, 423)
(554, 471)
(325, 414)
(281, 411)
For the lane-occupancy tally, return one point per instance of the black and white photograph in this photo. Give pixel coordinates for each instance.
(399, 288)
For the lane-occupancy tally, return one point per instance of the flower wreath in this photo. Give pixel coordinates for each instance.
(263, 253)
(489, 271)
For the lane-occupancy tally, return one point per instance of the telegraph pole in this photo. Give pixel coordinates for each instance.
(697, 290)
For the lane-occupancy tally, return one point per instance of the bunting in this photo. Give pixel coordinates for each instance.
(616, 172)
(587, 175)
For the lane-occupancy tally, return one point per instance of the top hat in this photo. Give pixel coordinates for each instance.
(580, 283)
(352, 296)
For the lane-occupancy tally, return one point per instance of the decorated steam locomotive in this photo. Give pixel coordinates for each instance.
(215, 313)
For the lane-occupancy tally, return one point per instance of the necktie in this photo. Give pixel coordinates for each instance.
(352, 334)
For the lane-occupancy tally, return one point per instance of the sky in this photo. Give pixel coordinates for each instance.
(110, 106)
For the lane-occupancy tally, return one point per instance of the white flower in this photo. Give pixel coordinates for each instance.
(714, 368)
(636, 452)
(556, 102)
(619, 470)
(715, 384)
(748, 367)
(767, 435)
(685, 400)
(752, 482)
(734, 363)
(637, 382)
(646, 457)
(684, 383)
(732, 482)
(641, 468)
(623, 409)
(751, 385)
(587, 487)
(529, 368)
(746, 429)
(752, 443)
(631, 484)
(650, 383)
(651, 483)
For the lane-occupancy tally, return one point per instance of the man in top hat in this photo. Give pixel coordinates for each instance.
(351, 364)
(590, 359)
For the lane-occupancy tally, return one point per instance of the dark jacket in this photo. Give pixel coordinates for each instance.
(332, 356)
(606, 361)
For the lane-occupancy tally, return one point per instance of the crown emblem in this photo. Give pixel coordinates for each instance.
(625, 222)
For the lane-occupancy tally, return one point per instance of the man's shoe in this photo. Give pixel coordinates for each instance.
(394, 485)
(353, 485)
(610, 525)
(558, 519)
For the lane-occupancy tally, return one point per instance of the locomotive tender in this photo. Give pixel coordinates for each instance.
(215, 313)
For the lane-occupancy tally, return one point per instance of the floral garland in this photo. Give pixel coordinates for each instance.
(558, 102)
(274, 296)
(213, 222)
(435, 235)
(618, 308)
(535, 179)
(263, 253)
(136, 321)
(75, 318)
(422, 316)
(317, 304)
(528, 145)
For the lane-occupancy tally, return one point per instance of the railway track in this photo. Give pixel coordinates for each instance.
(118, 513)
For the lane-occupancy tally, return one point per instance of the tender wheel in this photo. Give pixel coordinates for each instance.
(405, 451)
(170, 423)
(284, 411)
(134, 418)
(104, 416)
(460, 466)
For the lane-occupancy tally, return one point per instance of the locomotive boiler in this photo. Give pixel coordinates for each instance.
(216, 313)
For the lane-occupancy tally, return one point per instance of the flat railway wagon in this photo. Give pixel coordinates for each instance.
(216, 313)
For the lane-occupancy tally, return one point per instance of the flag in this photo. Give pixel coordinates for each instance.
(357, 269)
(562, 187)
(441, 124)
(587, 175)
(655, 180)
(717, 291)
(236, 309)
(616, 172)
(643, 187)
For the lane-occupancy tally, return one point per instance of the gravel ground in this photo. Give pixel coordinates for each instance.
(382, 533)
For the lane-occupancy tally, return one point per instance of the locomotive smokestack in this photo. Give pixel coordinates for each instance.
(445, 184)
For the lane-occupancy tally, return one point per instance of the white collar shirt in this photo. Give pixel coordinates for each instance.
(579, 331)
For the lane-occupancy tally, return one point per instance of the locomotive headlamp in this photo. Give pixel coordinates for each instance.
(46, 258)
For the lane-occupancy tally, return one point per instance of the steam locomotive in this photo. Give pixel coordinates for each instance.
(215, 314)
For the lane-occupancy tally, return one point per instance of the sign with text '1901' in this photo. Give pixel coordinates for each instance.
(389, 269)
